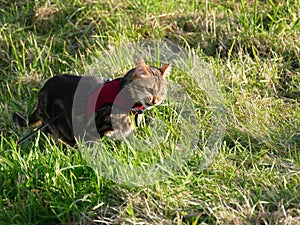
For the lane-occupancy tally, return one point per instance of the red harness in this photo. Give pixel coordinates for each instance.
(108, 94)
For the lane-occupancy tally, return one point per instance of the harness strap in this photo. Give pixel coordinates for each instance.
(109, 94)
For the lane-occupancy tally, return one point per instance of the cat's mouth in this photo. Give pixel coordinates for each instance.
(142, 105)
(148, 104)
(138, 107)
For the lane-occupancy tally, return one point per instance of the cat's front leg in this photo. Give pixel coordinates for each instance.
(122, 125)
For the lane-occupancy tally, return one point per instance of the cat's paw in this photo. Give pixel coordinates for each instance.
(110, 133)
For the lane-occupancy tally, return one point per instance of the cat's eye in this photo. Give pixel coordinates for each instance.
(150, 90)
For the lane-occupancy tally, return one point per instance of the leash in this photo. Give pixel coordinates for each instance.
(43, 126)
(22, 140)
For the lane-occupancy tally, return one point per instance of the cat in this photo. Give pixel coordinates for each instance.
(109, 109)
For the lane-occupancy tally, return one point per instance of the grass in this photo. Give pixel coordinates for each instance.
(252, 48)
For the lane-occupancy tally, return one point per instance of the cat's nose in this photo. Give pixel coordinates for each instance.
(155, 100)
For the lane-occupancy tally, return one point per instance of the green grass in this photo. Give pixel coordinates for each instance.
(253, 49)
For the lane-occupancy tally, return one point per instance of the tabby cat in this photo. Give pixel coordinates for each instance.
(107, 110)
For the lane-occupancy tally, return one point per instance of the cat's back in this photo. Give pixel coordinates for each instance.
(63, 89)
(67, 82)
(60, 85)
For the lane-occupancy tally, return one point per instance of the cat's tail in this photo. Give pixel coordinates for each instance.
(33, 120)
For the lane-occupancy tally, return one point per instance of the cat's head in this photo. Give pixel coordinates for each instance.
(147, 85)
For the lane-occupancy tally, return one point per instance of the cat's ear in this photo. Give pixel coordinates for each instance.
(165, 70)
(141, 69)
